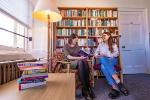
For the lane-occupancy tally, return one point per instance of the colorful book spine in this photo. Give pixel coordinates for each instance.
(32, 67)
(29, 85)
(32, 64)
(34, 71)
(32, 78)
(20, 81)
(35, 75)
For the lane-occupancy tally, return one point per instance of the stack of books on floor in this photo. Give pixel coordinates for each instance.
(34, 74)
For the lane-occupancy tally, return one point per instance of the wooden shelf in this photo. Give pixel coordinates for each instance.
(98, 17)
(100, 37)
(102, 8)
(75, 17)
(91, 8)
(66, 8)
(102, 27)
(92, 46)
(68, 36)
(92, 36)
(71, 27)
(63, 46)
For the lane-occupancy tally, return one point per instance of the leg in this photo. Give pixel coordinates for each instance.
(109, 64)
(106, 72)
(84, 77)
(109, 78)
(83, 74)
(87, 72)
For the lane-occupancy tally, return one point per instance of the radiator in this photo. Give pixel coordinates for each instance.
(9, 70)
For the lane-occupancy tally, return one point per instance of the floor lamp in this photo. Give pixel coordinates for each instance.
(46, 11)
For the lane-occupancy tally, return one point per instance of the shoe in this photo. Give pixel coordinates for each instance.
(114, 94)
(92, 94)
(86, 95)
(123, 89)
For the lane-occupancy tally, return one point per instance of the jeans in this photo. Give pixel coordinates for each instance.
(108, 68)
(83, 69)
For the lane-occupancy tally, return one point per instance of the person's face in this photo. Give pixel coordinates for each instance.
(105, 37)
(75, 40)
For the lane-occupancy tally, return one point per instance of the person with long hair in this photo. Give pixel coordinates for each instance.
(108, 57)
(71, 50)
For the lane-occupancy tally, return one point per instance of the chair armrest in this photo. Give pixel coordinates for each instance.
(67, 63)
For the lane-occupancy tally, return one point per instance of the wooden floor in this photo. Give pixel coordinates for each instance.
(60, 86)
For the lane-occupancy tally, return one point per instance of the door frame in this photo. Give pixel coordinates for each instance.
(146, 31)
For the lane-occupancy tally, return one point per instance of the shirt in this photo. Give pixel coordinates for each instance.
(104, 49)
(73, 51)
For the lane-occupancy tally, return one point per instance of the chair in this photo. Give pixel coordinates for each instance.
(97, 65)
(58, 63)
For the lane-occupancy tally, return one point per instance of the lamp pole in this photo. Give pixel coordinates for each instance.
(48, 43)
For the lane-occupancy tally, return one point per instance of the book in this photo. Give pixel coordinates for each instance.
(20, 81)
(32, 78)
(34, 71)
(35, 75)
(83, 53)
(32, 67)
(29, 85)
(32, 64)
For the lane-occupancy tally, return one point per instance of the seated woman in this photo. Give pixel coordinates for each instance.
(108, 52)
(71, 51)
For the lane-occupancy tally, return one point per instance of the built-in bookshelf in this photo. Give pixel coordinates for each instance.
(87, 22)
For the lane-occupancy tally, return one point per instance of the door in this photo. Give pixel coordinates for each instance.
(132, 41)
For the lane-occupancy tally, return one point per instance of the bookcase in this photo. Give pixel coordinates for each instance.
(87, 22)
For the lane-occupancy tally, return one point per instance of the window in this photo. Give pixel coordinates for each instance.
(9, 38)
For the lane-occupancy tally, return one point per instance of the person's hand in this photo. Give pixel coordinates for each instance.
(102, 54)
(82, 57)
(97, 56)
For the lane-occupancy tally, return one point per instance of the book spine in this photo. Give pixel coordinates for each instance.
(35, 75)
(29, 85)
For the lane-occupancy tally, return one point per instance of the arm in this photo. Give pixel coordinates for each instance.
(75, 58)
(115, 53)
(67, 54)
(97, 52)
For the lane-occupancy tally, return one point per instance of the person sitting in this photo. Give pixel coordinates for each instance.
(71, 50)
(107, 51)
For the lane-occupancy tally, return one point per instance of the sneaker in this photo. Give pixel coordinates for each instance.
(86, 95)
(92, 94)
(123, 89)
(114, 94)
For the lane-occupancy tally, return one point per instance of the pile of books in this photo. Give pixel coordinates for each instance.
(34, 74)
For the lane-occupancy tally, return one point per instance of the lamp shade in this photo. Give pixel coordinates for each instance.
(45, 8)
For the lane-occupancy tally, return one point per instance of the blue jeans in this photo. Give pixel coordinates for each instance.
(108, 69)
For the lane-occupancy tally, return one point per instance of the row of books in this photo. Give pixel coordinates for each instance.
(69, 22)
(68, 32)
(81, 42)
(94, 13)
(71, 13)
(91, 42)
(103, 13)
(34, 74)
(82, 32)
(62, 42)
(97, 31)
(103, 22)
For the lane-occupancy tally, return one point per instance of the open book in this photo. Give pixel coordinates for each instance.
(83, 53)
